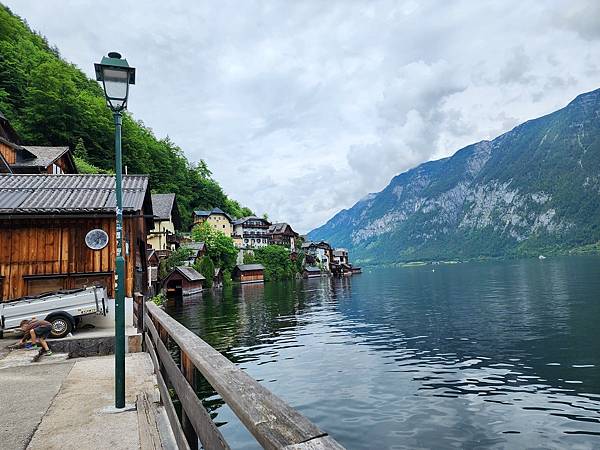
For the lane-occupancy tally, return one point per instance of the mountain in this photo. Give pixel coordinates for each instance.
(534, 189)
(51, 102)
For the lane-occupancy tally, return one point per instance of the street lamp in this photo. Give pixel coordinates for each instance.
(116, 76)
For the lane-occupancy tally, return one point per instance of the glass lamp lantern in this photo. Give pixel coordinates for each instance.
(116, 76)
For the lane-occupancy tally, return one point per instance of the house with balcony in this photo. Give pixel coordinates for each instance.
(283, 234)
(318, 254)
(217, 219)
(251, 232)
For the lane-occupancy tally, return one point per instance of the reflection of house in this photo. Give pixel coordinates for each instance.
(216, 218)
(29, 158)
(166, 221)
(59, 232)
(197, 251)
(249, 273)
(183, 281)
(311, 272)
(319, 254)
(252, 231)
(283, 234)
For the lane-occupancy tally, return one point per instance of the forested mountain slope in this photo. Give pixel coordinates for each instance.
(534, 189)
(52, 102)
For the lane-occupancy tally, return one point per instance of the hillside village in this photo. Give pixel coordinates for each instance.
(58, 231)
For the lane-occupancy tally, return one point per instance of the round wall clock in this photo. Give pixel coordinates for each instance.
(96, 239)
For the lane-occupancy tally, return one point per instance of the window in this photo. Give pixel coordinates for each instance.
(223, 226)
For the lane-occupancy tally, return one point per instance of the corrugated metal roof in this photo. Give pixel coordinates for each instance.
(43, 194)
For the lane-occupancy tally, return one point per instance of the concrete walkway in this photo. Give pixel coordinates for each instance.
(59, 403)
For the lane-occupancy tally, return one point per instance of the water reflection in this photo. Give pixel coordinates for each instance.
(501, 354)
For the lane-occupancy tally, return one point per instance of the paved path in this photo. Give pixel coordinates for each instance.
(59, 403)
(25, 396)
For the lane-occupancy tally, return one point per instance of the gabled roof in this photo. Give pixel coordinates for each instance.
(42, 156)
(69, 193)
(162, 205)
(281, 227)
(321, 244)
(203, 213)
(249, 267)
(245, 219)
(189, 273)
(7, 132)
(340, 252)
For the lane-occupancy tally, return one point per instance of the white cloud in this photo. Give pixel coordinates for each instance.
(301, 108)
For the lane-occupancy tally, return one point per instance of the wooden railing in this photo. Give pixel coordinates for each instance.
(272, 422)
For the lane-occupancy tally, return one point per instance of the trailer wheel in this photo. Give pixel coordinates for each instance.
(61, 326)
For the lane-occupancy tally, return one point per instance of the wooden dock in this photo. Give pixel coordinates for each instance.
(272, 422)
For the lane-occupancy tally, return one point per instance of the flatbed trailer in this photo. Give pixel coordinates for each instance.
(62, 309)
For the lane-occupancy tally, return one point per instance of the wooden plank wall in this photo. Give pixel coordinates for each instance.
(57, 247)
(9, 153)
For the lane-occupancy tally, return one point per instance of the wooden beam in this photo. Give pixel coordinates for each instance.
(205, 428)
(273, 423)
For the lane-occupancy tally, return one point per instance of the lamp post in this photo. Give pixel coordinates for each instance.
(116, 76)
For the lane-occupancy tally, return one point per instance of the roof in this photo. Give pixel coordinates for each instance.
(249, 267)
(189, 273)
(204, 213)
(340, 252)
(245, 219)
(312, 269)
(162, 205)
(43, 156)
(197, 246)
(69, 193)
(280, 228)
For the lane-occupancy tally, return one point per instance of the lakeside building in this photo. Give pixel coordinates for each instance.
(197, 249)
(183, 281)
(319, 254)
(311, 272)
(283, 234)
(18, 158)
(166, 221)
(249, 273)
(59, 232)
(251, 232)
(216, 218)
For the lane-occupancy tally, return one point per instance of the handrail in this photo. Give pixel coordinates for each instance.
(273, 423)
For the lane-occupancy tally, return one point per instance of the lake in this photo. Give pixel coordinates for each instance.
(501, 354)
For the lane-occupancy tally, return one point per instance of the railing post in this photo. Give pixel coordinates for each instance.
(187, 368)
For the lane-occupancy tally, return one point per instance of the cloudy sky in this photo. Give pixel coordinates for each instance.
(301, 108)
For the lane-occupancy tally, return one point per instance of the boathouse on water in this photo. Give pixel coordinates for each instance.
(249, 273)
(59, 232)
(311, 272)
(183, 281)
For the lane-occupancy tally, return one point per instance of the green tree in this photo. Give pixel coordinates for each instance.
(206, 267)
(220, 247)
(276, 261)
(177, 258)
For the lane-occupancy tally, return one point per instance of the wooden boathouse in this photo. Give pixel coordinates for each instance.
(249, 273)
(182, 281)
(59, 232)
